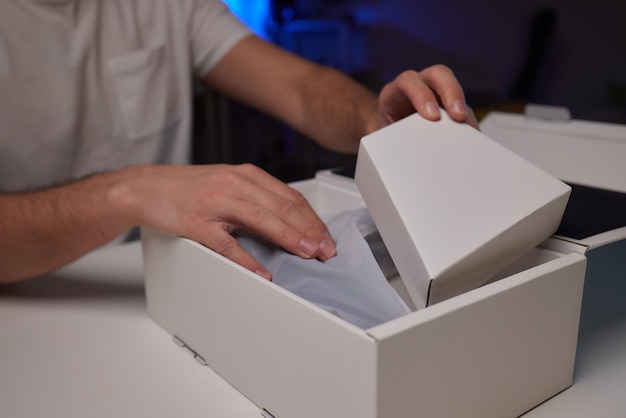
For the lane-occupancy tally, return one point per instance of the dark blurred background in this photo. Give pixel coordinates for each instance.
(505, 53)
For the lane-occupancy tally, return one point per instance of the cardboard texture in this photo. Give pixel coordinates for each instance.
(453, 206)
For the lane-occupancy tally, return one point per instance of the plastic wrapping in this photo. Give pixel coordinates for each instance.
(350, 285)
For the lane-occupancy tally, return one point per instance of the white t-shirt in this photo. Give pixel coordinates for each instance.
(88, 86)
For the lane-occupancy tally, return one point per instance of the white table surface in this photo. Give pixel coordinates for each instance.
(79, 343)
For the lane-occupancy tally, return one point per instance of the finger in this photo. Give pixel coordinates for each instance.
(219, 240)
(246, 203)
(471, 118)
(264, 223)
(409, 93)
(264, 180)
(284, 201)
(443, 82)
(314, 239)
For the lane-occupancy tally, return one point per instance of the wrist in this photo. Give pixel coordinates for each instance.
(123, 196)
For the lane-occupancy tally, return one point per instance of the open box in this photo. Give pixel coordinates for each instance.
(494, 351)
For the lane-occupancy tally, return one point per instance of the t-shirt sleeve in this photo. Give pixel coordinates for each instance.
(213, 31)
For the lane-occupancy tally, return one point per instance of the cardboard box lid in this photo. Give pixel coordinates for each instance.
(453, 206)
(581, 152)
(588, 155)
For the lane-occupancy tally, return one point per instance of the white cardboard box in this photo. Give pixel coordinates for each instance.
(452, 206)
(495, 351)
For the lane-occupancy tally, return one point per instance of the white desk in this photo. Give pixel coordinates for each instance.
(80, 344)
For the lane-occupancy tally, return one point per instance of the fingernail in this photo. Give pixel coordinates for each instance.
(431, 109)
(307, 246)
(327, 250)
(458, 106)
(264, 273)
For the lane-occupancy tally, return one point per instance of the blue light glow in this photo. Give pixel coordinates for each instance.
(253, 12)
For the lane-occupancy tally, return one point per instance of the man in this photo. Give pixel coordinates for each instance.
(96, 106)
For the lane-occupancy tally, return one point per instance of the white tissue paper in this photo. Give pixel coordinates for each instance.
(350, 285)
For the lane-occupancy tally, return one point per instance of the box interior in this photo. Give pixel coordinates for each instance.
(592, 211)
(330, 194)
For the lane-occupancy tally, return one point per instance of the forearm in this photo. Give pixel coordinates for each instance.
(339, 111)
(318, 101)
(325, 104)
(44, 230)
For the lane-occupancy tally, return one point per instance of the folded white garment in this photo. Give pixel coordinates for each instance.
(351, 285)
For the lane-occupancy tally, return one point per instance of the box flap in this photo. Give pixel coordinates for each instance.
(588, 155)
(452, 205)
(581, 152)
